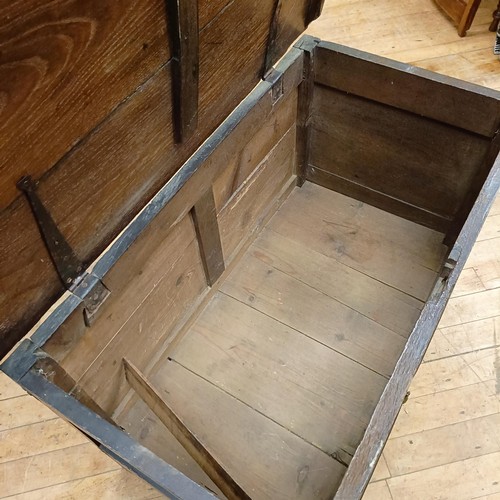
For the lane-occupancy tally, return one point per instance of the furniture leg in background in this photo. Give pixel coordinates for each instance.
(496, 18)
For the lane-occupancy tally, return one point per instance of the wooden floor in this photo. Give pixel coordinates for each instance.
(297, 345)
(446, 443)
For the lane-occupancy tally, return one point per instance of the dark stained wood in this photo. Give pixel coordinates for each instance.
(406, 87)
(474, 189)
(314, 11)
(207, 230)
(377, 199)
(64, 65)
(365, 459)
(288, 21)
(496, 19)
(185, 65)
(176, 426)
(98, 187)
(416, 160)
(304, 107)
(56, 374)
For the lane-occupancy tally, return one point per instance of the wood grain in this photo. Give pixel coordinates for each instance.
(364, 238)
(283, 374)
(422, 163)
(183, 17)
(171, 420)
(207, 231)
(369, 297)
(302, 307)
(102, 182)
(408, 88)
(276, 464)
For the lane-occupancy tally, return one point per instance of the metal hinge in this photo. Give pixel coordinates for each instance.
(70, 269)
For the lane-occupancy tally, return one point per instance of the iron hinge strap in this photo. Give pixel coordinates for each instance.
(70, 269)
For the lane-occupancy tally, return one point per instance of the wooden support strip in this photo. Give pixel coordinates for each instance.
(272, 48)
(183, 15)
(304, 107)
(207, 230)
(56, 374)
(186, 438)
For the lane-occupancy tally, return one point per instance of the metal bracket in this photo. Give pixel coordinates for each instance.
(70, 269)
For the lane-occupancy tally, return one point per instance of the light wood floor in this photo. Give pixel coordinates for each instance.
(290, 357)
(446, 443)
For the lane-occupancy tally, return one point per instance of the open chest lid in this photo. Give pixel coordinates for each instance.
(105, 102)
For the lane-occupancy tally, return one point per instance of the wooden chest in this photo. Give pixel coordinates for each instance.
(228, 281)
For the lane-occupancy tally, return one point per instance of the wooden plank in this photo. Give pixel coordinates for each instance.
(289, 20)
(442, 375)
(38, 438)
(185, 66)
(461, 104)
(302, 307)
(484, 363)
(9, 388)
(56, 57)
(378, 491)
(207, 231)
(475, 187)
(375, 300)
(392, 148)
(457, 480)
(257, 145)
(448, 444)
(473, 307)
(248, 204)
(148, 261)
(283, 374)
(484, 262)
(21, 411)
(277, 464)
(215, 470)
(464, 338)
(118, 483)
(304, 108)
(146, 428)
(377, 199)
(54, 467)
(56, 374)
(381, 471)
(153, 324)
(452, 406)
(384, 416)
(364, 238)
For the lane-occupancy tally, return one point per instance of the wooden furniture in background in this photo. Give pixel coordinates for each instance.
(462, 12)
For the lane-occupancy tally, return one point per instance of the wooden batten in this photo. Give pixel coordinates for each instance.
(183, 16)
(207, 230)
(189, 441)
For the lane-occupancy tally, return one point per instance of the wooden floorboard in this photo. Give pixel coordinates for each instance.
(294, 338)
(413, 31)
